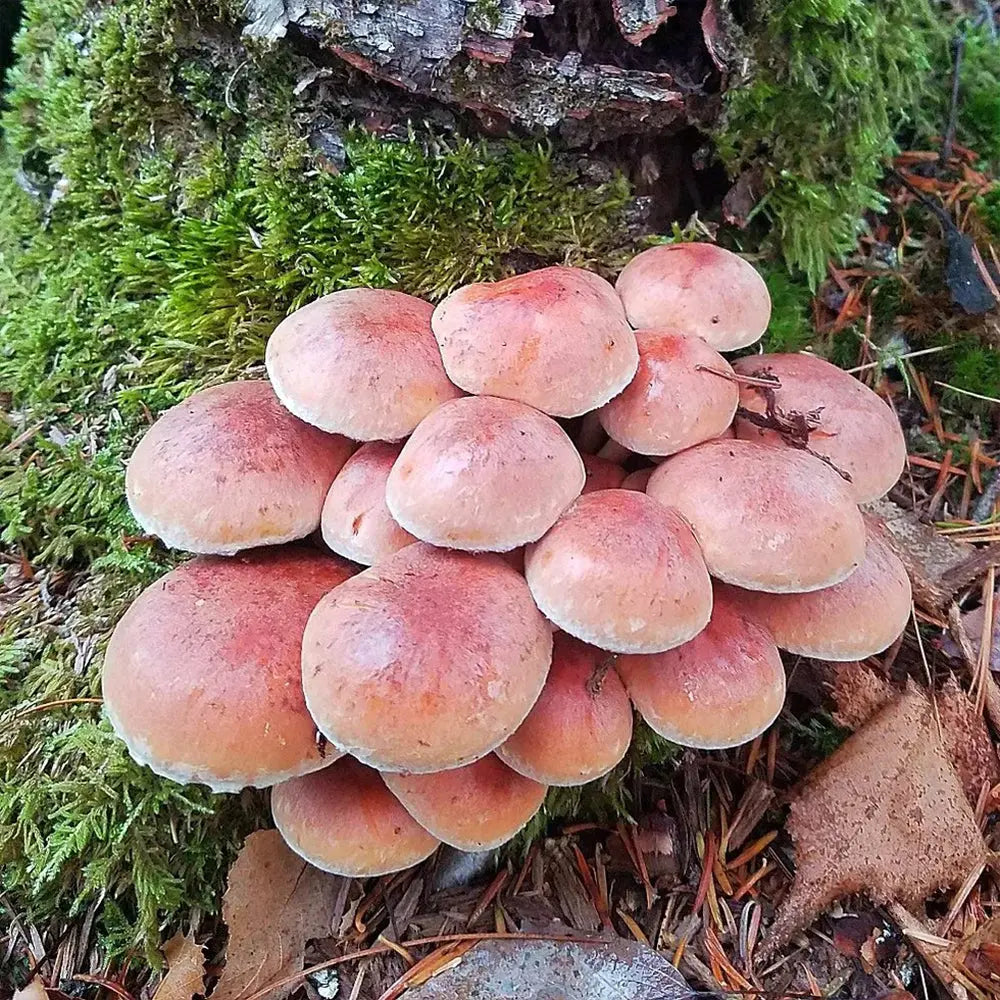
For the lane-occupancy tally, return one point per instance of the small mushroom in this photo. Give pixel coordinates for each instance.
(696, 288)
(230, 469)
(484, 474)
(680, 396)
(602, 474)
(361, 362)
(847, 423)
(472, 808)
(344, 820)
(622, 572)
(556, 339)
(427, 661)
(581, 725)
(638, 480)
(774, 519)
(356, 522)
(202, 676)
(859, 617)
(723, 688)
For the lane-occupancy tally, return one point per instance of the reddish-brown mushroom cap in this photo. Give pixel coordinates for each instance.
(356, 522)
(427, 661)
(581, 725)
(202, 676)
(344, 820)
(622, 572)
(675, 400)
(484, 474)
(556, 339)
(774, 519)
(638, 480)
(859, 617)
(721, 689)
(230, 469)
(361, 362)
(696, 288)
(855, 429)
(601, 474)
(473, 808)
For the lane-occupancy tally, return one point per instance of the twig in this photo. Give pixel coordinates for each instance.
(956, 79)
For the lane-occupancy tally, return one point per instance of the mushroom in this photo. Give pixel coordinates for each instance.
(484, 474)
(773, 519)
(680, 396)
(581, 725)
(361, 362)
(427, 661)
(622, 572)
(202, 676)
(601, 474)
(472, 808)
(229, 469)
(696, 288)
(848, 424)
(859, 617)
(638, 480)
(556, 339)
(721, 689)
(356, 522)
(344, 820)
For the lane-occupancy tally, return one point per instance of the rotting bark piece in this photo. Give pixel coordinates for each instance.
(885, 814)
(967, 741)
(857, 692)
(638, 19)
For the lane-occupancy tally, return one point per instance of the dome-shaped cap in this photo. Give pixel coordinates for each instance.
(622, 572)
(202, 676)
(696, 288)
(344, 820)
(556, 339)
(775, 519)
(721, 689)
(472, 808)
(484, 474)
(854, 428)
(601, 473)
(859, 617)
(581, 725)
(427, 661)
(361, 362)
(356, 522)
(675, 400)
(230, 469)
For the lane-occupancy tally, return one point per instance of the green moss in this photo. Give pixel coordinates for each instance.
(979, 116)
(791, 327)
(832, 82)
(180, 213)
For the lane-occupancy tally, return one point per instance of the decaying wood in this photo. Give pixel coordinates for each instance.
(478, 56)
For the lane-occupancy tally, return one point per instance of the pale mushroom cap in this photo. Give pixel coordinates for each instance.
(857, 430)
(556, 339)
(638, 480)
(696, 288)
(721, 689)
(581, 725)
(859, 617)
(472, 808)
(484, 474)
(202, 676)
(774, 519)
(356, 522)
(361, 362)
(427, 661)
(230, 469)
(622, 572)
(344, 820)
(602, 474)
(673, 402)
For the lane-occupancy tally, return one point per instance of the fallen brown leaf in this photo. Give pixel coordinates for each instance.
(185, 969)
(274, 904)
(885, 815)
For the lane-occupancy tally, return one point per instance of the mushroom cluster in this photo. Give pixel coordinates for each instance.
(526, 511)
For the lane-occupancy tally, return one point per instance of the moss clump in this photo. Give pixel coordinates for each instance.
(979, 111)
(179, 210)
(791, 327)
(831, 84)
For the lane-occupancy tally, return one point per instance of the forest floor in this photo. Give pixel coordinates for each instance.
(166, 197)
